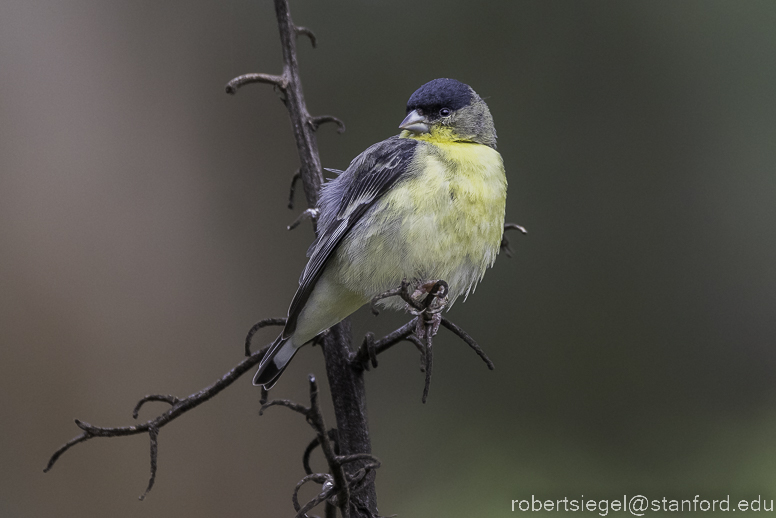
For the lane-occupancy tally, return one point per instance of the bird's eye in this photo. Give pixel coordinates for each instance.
(444, 112)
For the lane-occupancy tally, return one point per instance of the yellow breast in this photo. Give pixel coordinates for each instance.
(444, 222)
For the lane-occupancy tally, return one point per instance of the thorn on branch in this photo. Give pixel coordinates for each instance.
(363, 354)
(337, 485)
(316, 122)
(505, 242)
(297, 176)
(153, 434)
(326, 492)
(171, 400)
(258, 325)
(307, 32)
(296, 407)
(280, 82)
(332, 434)
(311, 214)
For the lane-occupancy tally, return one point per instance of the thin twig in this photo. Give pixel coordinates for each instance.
(152, 426)
(307, 32)
(311, 214)
(258, 325)
(342, 484)
(505, 242)
(322, 119)
(292, 190)
(171, 400)
(246, 79)
(332, 433)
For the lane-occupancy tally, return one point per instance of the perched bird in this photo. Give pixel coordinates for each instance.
(427, 204)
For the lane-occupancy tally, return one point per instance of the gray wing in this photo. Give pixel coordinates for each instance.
(343, 201)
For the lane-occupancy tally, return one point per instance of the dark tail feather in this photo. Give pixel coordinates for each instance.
(274, 362)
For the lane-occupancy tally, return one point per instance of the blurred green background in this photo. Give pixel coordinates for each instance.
(142, 232)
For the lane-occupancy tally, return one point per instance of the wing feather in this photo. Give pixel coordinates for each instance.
(343, 201)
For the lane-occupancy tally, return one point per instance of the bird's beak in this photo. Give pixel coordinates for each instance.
(414, 122)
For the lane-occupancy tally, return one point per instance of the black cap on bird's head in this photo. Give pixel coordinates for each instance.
(449, 107)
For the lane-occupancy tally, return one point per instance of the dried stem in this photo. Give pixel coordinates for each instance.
(338, 486)
(179, 406)
(505, 242)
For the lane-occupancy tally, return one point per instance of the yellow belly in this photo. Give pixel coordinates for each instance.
(445, 222)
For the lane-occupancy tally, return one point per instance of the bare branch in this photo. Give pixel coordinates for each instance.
(311, 214)
(292, 190)
(340, 485)
(320, 478)
(296, 407)
(332, 433)
(307, 32)
(371, 348)
(515, 226)
(505, 242)
(245, 79)
(171, 400)
(179, 406)
(153, 434)
(317, 121)
(258, 325)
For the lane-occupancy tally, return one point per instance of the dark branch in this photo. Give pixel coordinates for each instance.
(153, 434)
(311, 214)
(323, 119)
(292, 190)
(152, 426)
(307, 32)
(424, 326)
(371, 348)
(171, 400)
(505, 242)
(258, 325)
(245, 79)
(338, 486)
(332, 433)
(296, 407)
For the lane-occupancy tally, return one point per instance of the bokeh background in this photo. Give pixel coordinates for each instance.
(142, 232)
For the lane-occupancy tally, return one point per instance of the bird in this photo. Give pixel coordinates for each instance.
(426, 204)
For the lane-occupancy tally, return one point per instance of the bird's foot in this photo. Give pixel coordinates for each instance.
(428, 325)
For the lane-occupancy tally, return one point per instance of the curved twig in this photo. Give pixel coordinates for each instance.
(153, 435)
(296, 407)
(505, 242)
(332, 433)
(258, 325)
(323, 119)
(171, 400)
(320, 478)
(152, 426)
(245, 79)
(311, 214)
(307, 32)
(378, 346)
(292, 190)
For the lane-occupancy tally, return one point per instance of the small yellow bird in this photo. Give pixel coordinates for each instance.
(427, 204)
